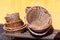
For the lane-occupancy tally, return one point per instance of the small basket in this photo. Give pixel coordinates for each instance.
(13, 22)
(38, 18)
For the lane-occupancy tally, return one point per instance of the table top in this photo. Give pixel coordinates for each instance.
(26, 34)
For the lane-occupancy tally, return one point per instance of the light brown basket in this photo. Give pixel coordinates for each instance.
(38, 18)
(13, 22)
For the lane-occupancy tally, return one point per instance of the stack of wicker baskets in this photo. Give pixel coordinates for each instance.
(13, 22)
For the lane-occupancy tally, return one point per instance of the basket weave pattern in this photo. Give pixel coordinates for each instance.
(38, 18)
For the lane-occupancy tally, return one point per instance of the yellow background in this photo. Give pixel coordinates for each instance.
(11, 6)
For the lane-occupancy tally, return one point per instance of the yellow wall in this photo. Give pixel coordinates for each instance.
(10, 6)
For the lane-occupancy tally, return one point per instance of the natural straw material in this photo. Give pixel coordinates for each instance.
(13, 22)
(38, 18)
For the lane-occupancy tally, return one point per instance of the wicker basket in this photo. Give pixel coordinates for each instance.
(38, 18)
(13, 22)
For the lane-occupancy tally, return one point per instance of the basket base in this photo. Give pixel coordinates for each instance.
(41, 34)
(14, 29)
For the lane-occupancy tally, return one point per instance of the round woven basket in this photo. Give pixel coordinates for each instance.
(13, 22)
(38, 18)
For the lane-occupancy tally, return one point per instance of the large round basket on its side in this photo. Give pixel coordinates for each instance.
(38, 18)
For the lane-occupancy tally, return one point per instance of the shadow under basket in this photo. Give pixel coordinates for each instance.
(46, 32)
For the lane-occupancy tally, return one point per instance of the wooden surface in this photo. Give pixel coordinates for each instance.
(26, 34)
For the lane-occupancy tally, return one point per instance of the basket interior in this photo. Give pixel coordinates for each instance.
(38, 16)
